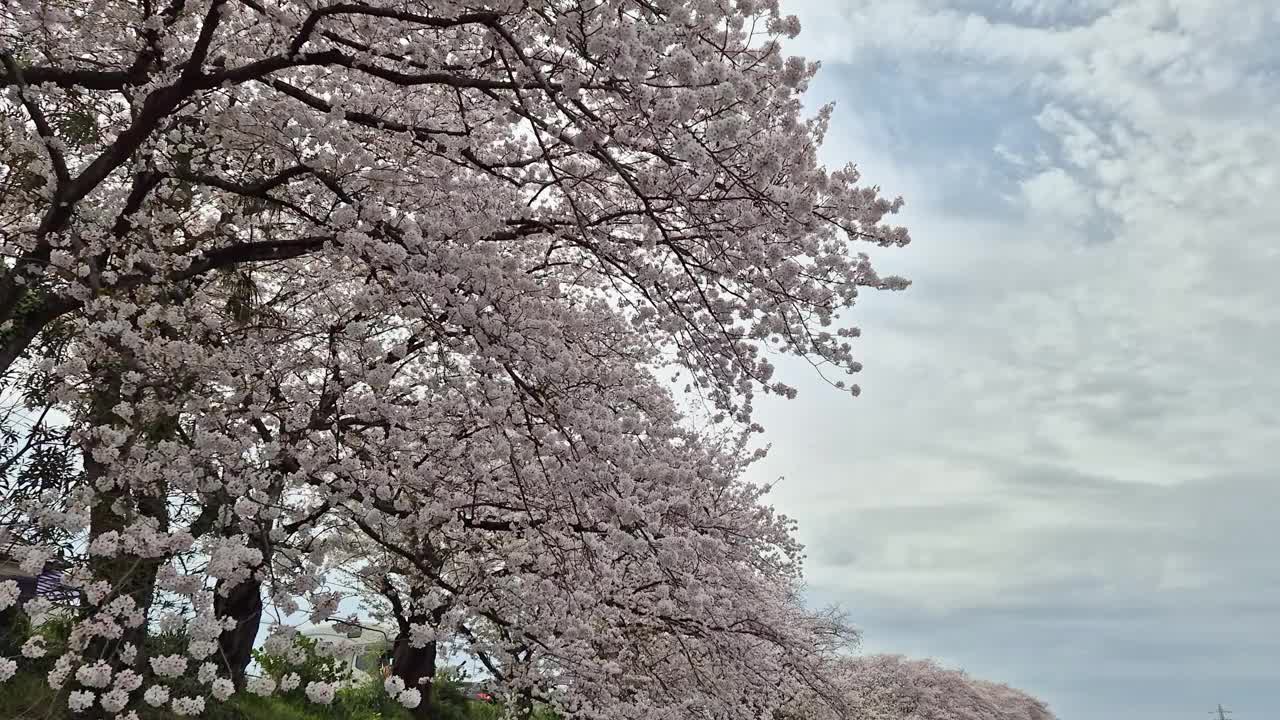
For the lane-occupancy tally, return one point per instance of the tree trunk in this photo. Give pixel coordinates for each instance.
(413, 665)
(10, 639)
(235, 646)
(128, 575)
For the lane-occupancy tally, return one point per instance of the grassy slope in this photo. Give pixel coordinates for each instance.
(28, 697)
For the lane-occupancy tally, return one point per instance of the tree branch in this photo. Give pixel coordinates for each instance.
(82, 79)
(309, 25)
(41, 123)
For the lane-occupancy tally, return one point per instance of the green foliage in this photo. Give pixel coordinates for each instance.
(449, 700)
(314, 667)
(37, 453)
(484, 711)
(167, 643)
(28, 695)
(369, 702)
(78, 127)
(373, 657)
(252, 707)
(364, 702)
(12, 631)
(18, 630)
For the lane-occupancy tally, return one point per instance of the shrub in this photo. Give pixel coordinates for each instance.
(28, 695)
(370, 702)
(315, 666)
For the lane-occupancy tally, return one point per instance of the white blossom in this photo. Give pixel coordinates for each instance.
(261, 686)
(321, 693)
(80, 700)
(34, 647)
(169, 666)
(156, 695)
(95, 675)
(222, 688)
(8, 593)
(189, 705)
(409, 698)
(394, 685)
(114, 700)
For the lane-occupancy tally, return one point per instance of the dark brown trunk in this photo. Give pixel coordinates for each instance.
(416, 666)
(235, 646)
(10, 638)
(413, 665)
(129, 575)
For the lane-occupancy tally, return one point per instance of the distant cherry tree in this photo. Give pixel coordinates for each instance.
(892, 687)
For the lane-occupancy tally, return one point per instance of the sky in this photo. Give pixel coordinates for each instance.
(1061, 471)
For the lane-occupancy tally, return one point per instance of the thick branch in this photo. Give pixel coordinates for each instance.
(38, 118)
(309, 25)
(81, 79)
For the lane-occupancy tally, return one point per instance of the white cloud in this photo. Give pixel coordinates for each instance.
(1075, 407)
(1054, 194)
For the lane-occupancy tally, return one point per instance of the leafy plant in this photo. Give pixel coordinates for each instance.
(314, 666)
(370, 702)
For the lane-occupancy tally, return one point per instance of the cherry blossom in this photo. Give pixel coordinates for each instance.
(260, 686)
(892, 687)
(411, 698)
(80, 700)
(686, 182)
(156, 695)
(321, 693)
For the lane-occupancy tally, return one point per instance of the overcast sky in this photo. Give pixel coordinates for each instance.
(1061, 471)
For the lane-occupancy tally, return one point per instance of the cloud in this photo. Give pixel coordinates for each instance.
(1061, 466)
(1055, 195)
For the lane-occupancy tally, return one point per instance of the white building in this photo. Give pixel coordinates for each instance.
(351, 645)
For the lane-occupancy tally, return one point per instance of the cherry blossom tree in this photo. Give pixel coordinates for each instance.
(658, 149)
(333, 276)
(501, 488)
(493, 556)
(892, 687)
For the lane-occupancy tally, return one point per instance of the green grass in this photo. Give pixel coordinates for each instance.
(251, 707)
(27, 696)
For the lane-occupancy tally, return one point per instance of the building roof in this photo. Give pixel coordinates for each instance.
(326, 632)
